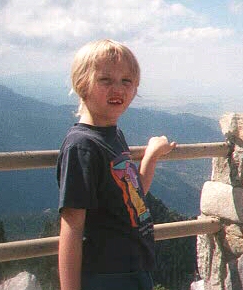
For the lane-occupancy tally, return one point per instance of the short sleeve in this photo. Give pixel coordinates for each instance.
(78, 172)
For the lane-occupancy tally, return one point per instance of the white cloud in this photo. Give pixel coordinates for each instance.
(190, 70)
(179, 49)
(58, 24)
(236, 7)
(202, 33)
(180, 10)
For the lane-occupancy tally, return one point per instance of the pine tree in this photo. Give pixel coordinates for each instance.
(48, 272)
(175, 258)
(2, 240)
(2, 233)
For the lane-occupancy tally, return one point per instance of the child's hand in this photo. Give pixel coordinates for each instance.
(158, 146)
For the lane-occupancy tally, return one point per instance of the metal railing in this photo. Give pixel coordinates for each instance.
(46, 159)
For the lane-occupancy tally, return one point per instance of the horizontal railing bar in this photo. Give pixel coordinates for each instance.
(44, 159)
(49, 246)
(186, 228)
(20, 250)
(188, 151)
(22, 160)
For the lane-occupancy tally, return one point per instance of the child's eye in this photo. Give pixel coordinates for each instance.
(127, 81)
(105, 80)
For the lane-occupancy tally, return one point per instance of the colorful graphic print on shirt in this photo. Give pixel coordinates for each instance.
(125, 173)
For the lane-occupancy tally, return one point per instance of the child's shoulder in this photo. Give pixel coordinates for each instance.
(79, 136)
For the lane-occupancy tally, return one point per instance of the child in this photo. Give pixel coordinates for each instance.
(106, 237)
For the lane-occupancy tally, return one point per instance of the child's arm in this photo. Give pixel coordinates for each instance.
(70, 248)
(157, 146)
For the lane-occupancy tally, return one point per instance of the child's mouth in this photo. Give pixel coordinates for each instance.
(115, 101)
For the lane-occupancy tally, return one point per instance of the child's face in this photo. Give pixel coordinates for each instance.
(113, 90)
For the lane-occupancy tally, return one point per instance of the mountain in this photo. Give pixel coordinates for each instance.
(141, 124)
(213, 110)
(28, 124)
(52, 88)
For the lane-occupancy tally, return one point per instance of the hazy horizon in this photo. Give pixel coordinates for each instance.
(185, 48)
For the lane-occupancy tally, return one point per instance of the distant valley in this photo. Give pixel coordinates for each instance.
(28, 199)
(28, 124)
(54, 89)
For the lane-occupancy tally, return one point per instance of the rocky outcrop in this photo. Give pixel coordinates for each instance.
(220, 256)
(23, 281)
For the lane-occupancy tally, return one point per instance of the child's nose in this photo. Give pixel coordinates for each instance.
(117, 86)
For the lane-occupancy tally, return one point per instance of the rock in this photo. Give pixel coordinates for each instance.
(23, 281)
(230, 170)
(199, 285)
(205, 255)
(223, 201)
(234, 277)
(229, 124)
(232, 125)
(234, 239)
(220, 255)
(221, 170)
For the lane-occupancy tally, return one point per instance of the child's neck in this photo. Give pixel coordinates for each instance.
(99, 123)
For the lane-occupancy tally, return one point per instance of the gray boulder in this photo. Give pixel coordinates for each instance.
(23, 281)
(199, 285)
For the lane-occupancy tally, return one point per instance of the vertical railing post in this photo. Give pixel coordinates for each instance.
(220, 255)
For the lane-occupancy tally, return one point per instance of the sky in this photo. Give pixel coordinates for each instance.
(185, 47)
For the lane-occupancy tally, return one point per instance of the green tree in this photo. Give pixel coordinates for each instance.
(159, 287)
(175, 258)
(2, 240)
(48, 272)
(2, 233)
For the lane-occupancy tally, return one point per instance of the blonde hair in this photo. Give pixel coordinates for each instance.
(86, 61)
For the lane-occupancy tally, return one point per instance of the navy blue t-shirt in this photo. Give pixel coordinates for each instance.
(95, 173)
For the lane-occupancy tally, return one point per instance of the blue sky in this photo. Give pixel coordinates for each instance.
(185, 48)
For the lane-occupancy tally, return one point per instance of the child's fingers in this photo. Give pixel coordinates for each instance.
(173, 144)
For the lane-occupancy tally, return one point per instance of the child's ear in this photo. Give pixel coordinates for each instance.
(135, 91)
